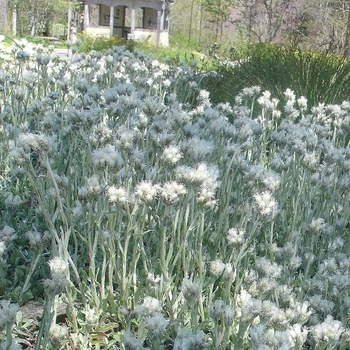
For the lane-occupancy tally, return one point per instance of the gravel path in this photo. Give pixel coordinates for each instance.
(62, 52)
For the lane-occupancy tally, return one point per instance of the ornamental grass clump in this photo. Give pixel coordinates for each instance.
(319, 76)
(161, 221)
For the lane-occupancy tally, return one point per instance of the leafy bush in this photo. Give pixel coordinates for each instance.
(181, 41)
(176, 54)
(320, 77)
(44, 41)
(99, 43)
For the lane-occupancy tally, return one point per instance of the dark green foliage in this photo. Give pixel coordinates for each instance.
(320, 77)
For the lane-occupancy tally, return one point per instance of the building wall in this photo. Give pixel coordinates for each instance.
(150, 36)
(98, 31)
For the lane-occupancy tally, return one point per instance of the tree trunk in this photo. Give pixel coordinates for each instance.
(346, 50)
(32, 26)
(190, 24)
(200, 25)
(14, 20)
(3, 15)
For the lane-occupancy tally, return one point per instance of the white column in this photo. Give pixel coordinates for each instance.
(14, 20)
(111, 21)
(162, 20)
(159, 23)
(132, 29)
(86, 16)
(69, 18)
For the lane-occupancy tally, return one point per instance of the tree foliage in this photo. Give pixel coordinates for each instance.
(267, 20)
(35, 17)
(219, 12)
(311, 24)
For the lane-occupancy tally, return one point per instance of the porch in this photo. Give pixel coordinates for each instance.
(145, 20)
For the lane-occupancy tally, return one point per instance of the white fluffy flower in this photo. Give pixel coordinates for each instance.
(35, 238)
(298, 333)
(58, 332)
(146, 191)
(270, 269)
(7, 234)
(318, 225)
(310, 160)
(130, 342)
(2, 248)
(171, 191)
(206, 197)
(8, 313)
(12, 200)
(328, 331)
(271, 180)
(92, 315)
(266, 102)
(58, 266)
(93, 185)
(172, 154)
(204, 174)
(189, 289)
(218, 268)
(266, 203)
(302, 103)
(217, 309)
(289, 95)
(186, 340)
(198, 148)
(235, 237)
(107, 156)
(228, 315)
(33, 142)
(117, 195)
(150, 306)
(156, 324)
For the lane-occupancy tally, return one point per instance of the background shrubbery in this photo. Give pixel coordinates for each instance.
(320, 77)
(99, 43)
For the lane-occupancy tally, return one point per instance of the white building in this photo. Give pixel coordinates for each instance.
(130, 19)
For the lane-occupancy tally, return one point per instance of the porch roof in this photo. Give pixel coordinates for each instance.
(154, 4)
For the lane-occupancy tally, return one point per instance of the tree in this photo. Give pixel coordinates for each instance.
(186, 20)
(34, 17)
(346, 46)
(322, 27)
(267, 20)
(219, 12)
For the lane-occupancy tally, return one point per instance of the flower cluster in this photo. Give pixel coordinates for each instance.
(207, 225)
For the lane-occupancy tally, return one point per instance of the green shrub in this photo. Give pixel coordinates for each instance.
(42, 40)
(181, 41)
(99, 43)
(174, 54)
(320, 77)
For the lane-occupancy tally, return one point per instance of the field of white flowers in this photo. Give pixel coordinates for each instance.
(161, 221)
